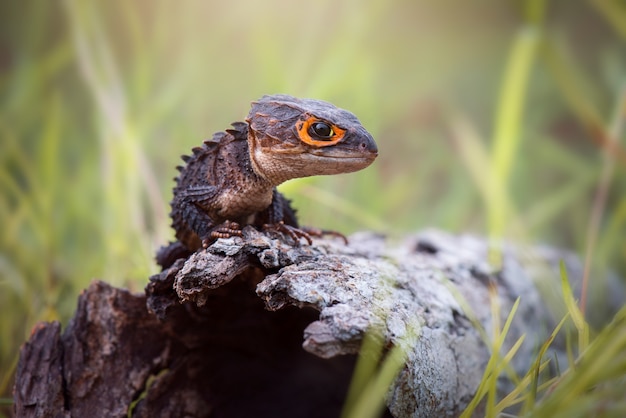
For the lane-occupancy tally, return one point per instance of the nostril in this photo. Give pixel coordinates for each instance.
(369, 146)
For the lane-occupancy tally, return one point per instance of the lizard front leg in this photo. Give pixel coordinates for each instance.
(196, 204)
(282, 218)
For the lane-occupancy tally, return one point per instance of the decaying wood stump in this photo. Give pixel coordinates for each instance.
(254, 326)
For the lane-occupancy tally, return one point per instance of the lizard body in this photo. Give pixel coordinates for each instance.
(231, 179)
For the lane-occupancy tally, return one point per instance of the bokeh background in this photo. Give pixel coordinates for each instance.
(500, 118)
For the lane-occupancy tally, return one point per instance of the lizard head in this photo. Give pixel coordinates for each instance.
(290, 138)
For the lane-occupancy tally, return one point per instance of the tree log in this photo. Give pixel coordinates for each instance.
(224, 331)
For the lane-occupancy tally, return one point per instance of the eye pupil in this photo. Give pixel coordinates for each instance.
(321, 130)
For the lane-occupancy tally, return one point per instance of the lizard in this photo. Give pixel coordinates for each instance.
(230, 181)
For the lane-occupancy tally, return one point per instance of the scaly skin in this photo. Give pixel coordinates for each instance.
(231, 180)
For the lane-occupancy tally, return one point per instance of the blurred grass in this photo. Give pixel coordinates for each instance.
(592, 384)
(98, 100)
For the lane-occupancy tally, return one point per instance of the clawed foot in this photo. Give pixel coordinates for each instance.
(305, 232)
(225, 230)
(232, 229)
(294, 233)
(316, 232)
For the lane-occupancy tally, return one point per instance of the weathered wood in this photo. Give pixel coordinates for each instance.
(224, 330)
(39, 387)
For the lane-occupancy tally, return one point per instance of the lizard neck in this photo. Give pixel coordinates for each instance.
(260, 161)
(243, 191)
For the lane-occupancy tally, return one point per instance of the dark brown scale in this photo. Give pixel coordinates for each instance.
(221, 164)
(230, 181)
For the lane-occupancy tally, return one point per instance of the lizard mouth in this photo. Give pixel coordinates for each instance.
(350, 158)
(345, 155)
(341, 162)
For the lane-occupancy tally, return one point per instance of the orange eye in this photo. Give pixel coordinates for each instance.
(319, 133)
(321, 130)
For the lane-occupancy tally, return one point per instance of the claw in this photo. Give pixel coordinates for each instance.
(303, 232)
(294, 233)
(316, 232)
(225, 230)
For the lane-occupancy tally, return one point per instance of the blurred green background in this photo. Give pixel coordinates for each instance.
(501, 118)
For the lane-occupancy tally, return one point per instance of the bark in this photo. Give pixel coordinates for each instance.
(224, 331)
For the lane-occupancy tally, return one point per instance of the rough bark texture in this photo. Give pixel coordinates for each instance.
(224, 330)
